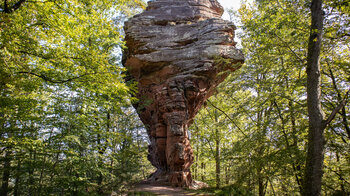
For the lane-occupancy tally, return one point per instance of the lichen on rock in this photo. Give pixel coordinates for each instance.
(171, 50)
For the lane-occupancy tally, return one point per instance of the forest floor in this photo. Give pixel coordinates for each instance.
(150, 189)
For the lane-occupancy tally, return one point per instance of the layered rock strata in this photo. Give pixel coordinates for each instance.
(178, 52)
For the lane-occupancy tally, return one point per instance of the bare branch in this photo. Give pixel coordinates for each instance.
(342, 112)
(233, 122)
(341, 135)
(338, 174)
(290, 49)
(337, 109)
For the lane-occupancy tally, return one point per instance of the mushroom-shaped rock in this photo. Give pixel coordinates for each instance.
(178, 51)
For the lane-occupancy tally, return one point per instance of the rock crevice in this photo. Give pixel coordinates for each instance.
(172, 53)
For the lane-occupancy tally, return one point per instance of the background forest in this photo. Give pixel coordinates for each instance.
(67, 126)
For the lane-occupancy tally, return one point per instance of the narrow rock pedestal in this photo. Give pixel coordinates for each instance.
(178, 51)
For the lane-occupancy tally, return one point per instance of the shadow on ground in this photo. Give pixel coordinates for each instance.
(151, 189)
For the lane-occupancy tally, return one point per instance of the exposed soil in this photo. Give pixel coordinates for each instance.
(162, 190)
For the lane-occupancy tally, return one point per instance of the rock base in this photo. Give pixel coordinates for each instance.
(171, 178)
(174, 179)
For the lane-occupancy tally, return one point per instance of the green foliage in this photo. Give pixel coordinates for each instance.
(231, 190)
(261, 122)
(67, 127)
(65, 110)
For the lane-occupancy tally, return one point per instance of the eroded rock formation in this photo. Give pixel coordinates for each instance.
(175, 52)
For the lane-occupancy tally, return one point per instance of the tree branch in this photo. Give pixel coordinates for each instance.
(339, 37)
(49, 58)
(290, 49)
(17, 5)
(339, 134)
(211, 148)
(337, 109)
(340, 176)
(343, 111)
(47, 79)
(233, 122)
(12, 8)
(5, 6)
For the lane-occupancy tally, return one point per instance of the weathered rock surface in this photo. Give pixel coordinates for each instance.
(175, 52)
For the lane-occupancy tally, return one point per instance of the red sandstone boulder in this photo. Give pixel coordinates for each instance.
(173, 52)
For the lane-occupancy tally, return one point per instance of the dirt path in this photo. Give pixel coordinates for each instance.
(162, 190)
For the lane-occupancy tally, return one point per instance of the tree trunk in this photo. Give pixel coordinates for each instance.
(203, 171)
(315, 152)
(217, 162)
(196, 169)
(340, 174)
(197, 159)
(31, 169)
(6, 173)
(260, 182)
(16, 191)
(227, 175)
(217, 153)
(296, 165)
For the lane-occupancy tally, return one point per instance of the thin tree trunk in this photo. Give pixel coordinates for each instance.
(31, 181)
(197, 159)
(260, 182)
(271, 185)
(217, 153)
(295, 165)
(260, 151)
(316, 141)
(6, 173)
(196, 172)
(16, 191)
(203, 171)
(227, 175)
(340, 172)
(217, 161)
